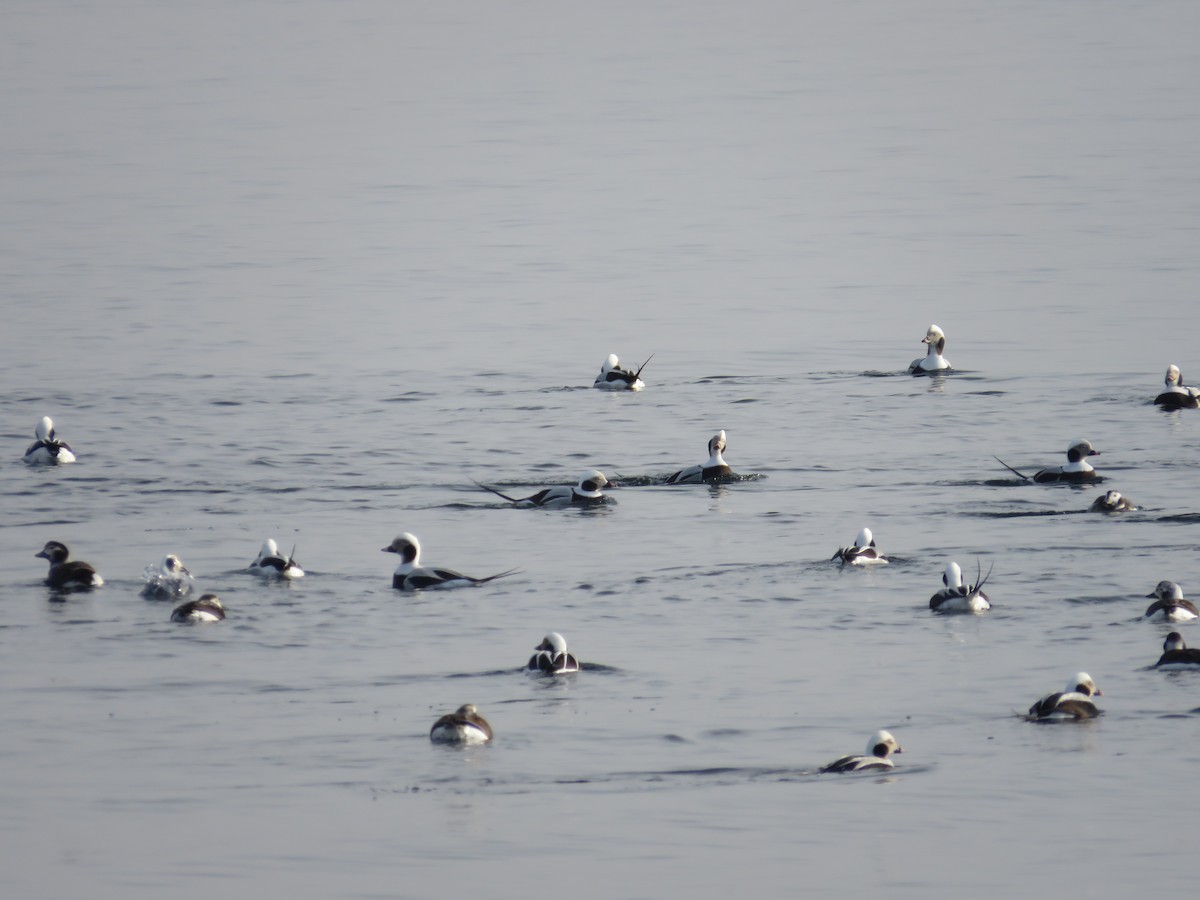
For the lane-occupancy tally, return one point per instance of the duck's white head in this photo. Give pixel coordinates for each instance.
(883, 745)
(590, 483)
(611, 363)
(1079, 449)
(952, 577)
(865, 539)
(1167, 590)
(1174, 641)
(935, 337)
(45, 429)
(173, 565)
(1112, 499)
(554, 643)
(269, 548)
(407, 546)
(1082, 683)
(1174, 377)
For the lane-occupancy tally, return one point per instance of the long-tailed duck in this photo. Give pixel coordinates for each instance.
(588, 492)
(1077, 468)
(551, 656)
(169, 580)
(863, 553)
(198, 612)
(410, 575)
(1177, 395)
(1073, 703)
(613, 378)
(714, 469)
(65, 572)
(463, 726)
(1177, 654)
(880, 746)
(273, 564)
(47, 450)
(1112, 501)
(958, 597)
(932, 361)
(1169, 605)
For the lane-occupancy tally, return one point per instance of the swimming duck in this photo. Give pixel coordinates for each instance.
(198, 612)
(1112, 501)
(47, 450)
(463, 726)
(552, 656)
(586, 493)
(1169, 604)
(713, 470)
(958, 597)
(613, 378)
(932, 361)
(1076, 471)
(169, 580)
(863, 553)
(410, 575)
(1177, 654)
(1177, 395)
(1073, 703)
(65, 572)
(880, 746)
(272, 564)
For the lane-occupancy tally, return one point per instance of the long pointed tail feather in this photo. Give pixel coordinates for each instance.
(496, 492)
(1011, 469)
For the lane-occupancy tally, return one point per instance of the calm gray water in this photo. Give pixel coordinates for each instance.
(304, 270)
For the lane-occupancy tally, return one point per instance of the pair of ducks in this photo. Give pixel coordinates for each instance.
(955, 594)
(613, 378)
(589, 490)
(466, 726)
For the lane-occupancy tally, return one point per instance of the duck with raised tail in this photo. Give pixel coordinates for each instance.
(48, 450)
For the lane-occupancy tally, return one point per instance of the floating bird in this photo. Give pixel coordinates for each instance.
(47, 450)
(463, 726)
(586, 493)
(1076, 471)
(932, 361)
(198, 612)
(1169, 604)
(65, 572)
(1177, 654)
(1177, 395)
(714, 469)
(552, 656)
(169, 580)
(410, 575)
(1073, 703)
(613, 378)
(880, 747)
(863, 553)
(958, 597)
(272, 564)
(1112, 501)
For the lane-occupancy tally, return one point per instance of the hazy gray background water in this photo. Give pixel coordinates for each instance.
(303, 270)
